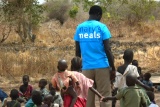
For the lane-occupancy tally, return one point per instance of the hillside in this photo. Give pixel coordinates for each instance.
(55, 41)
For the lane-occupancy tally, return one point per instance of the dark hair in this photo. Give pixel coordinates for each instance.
(62, 65)
(95, 10)
(14, 94)
(25, 76)
(128, 55)
(147, 75)
(130, 79)
(37, 97)
(135, 62)
(150, 95)
(76, 64)
(43, 81)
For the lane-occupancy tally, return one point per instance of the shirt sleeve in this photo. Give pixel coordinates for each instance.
(106, 32)
(120, 94)
(135, 70)
(116, 82)
(143, 99)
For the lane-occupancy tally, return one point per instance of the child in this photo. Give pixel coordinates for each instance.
(48, 100)
(3, 97)
(130, 96)
(25, 89)
(14, 94)
(37, 99)
(135, 63)
(125, 69)
(42, 85)
(57, 99)
(146, 80)
(76, 64)
(86, 83)
(151, 97)
(60, 81)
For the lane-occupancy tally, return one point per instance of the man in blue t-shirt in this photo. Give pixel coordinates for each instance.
(92, 44)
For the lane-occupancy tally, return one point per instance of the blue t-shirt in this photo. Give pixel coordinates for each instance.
(90, 35)
(148, 83)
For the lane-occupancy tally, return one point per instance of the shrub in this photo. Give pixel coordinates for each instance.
(58, 10)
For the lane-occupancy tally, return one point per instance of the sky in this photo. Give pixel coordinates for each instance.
(41, 1)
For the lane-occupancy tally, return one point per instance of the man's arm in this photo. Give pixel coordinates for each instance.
(78, 50)
(110, 58)
(109, 53)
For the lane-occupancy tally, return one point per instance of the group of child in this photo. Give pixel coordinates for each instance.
(41, 97)
(70, 88)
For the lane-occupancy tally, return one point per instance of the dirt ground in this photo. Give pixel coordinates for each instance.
(7, 84)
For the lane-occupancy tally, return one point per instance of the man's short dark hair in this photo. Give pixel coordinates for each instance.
(95, 10)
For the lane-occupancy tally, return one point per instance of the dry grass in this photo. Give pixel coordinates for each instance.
(51, 45)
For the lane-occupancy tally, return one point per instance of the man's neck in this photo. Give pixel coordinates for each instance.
(93, 17)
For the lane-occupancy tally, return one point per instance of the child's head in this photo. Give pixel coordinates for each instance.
(151, 95)
(128, 55)
(14, 94)
(76, 64)
(51, 89)
(48, 99)
(62, 65)
(131, 79)
(25, 79)
(42, 83)
(37, 97)
(135, 63)
(147, 76)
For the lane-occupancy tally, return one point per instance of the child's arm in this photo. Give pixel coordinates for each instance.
(70, 90)
(114, 91)
(73, 94)
(144, 86)
(96, 92)
(108, 98)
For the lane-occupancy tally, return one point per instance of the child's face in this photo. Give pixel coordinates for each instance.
(41, 85)
(25, 81)
(145, 77)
